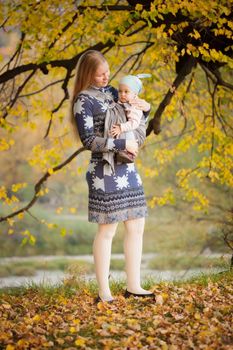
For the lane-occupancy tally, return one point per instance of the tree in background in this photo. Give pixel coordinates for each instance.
(185, 45)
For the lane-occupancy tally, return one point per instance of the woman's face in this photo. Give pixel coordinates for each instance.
(101, 76)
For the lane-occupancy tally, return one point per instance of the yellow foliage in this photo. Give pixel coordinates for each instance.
(187, 122)
(3, 192)
(72, 210)
(45, 158)
(168, 197)
(5, 145)
(50, 225)
(30, 238)
(18, 186)
(20, 216)
(139, 7)
(59, 210)
(63, 231)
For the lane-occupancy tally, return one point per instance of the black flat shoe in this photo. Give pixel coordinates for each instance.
(128, 294)
(98, 299)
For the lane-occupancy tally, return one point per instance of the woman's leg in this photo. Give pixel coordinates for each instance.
(133, 243)
(102, 255)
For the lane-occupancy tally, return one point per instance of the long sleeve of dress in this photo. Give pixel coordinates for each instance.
(83, 114)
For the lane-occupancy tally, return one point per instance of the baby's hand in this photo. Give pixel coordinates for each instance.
(116, 130)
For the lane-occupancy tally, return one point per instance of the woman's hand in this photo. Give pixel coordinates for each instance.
(116, 130)
(141, 104)
(132, 146)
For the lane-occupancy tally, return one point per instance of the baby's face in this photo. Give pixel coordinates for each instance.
(125, 94)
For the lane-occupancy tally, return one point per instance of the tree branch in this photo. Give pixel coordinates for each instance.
(137, 54)
(17, 51)
(42, 89)
(4, 22)
(216, 77)
(66, 96)
(140, 56)
(12, 102)
(182, 104)
(65, 63)
(64, 29)
(154, 124)
(39, 184)
(107, 8)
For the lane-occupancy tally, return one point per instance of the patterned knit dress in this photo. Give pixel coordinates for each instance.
(112, 198)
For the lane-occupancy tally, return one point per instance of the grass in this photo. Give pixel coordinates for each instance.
(203, 279)
(185, 261)
(73, 284)
(29, 267)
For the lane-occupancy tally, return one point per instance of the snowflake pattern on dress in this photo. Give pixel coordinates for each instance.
(103, 106)
(122, 182)
(130, 167)
(139, 180)
(91, 167)
(88, 121)
(78, 106)
(98, 183)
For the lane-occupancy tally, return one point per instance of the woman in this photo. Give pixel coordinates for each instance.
(114, 197)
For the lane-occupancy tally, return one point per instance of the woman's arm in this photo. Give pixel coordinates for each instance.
(83, 114)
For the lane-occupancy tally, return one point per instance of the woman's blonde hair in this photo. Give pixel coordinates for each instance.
(86, 68)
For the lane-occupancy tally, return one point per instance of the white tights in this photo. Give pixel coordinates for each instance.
(133, 243)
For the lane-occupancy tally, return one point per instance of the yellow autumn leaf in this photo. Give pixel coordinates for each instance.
(139, 7)
(76, 321)
(72, 210)
(10, 347)
(63, 231)
(20, 215)
(73, 329)
(11, 222)
(59, 210)
(197, 316)
(80, 341)
(50, 171)
(36, 318)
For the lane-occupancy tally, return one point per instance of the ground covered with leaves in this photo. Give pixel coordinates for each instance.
(190, 315)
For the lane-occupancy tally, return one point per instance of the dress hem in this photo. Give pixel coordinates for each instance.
(129, 214)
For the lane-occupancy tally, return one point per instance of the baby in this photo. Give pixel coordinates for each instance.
(129, 88)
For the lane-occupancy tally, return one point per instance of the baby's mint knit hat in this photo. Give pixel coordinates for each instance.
(134, 82)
